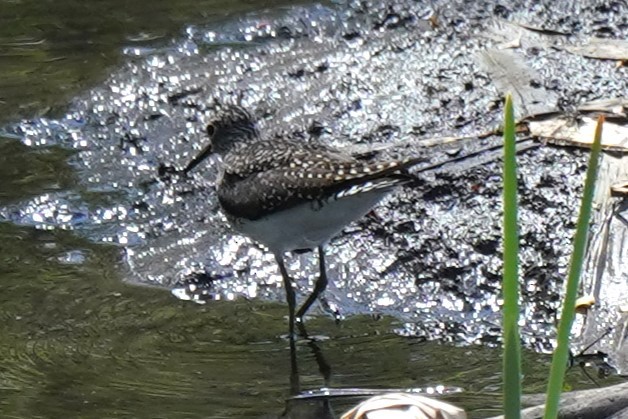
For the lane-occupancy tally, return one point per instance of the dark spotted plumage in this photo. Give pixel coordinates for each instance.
(289, 195)
(285, 174)
(267, 175)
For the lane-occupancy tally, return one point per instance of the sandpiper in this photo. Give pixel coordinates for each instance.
(290, 195)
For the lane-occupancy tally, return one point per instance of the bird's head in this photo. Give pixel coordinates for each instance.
(234, 125)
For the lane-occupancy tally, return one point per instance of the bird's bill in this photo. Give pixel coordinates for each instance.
(198, 159)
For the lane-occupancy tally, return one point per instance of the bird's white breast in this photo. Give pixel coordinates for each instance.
(308, 225)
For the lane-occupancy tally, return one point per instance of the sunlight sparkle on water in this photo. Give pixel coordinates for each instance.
(385, 301)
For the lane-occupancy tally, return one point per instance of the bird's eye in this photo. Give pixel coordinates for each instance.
(211, 130)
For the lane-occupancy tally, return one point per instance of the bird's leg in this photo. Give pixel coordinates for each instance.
(290, 294)
(295, 384)
(319, 287)
(323, 366)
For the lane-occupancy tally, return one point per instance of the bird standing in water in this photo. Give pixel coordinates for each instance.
(292, 196)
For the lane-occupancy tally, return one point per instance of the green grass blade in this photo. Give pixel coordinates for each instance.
(512, 343)
(561, 355)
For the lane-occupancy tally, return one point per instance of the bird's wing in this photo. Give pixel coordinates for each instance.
(303, 175)
(271, 154)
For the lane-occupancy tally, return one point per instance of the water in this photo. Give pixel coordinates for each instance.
(76, 338)
(76, 341)
(51, 50)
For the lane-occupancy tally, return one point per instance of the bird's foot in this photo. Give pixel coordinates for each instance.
(332, 309)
